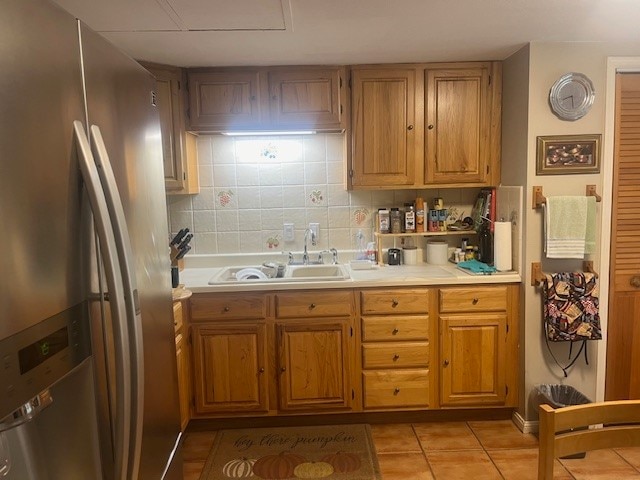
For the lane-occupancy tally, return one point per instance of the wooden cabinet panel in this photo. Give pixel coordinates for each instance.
(306, 96)
(385, 133)
(179, 154)
(314, 303)
(234, 306)
(225, 99)
(473, 355)
(396, 388)
(394, 301)
(230, 368)
(184, 390)
(313, 365)
(395, 355)
(395, 328)
(474, 299)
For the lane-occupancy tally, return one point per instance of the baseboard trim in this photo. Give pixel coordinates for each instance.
(525, 426)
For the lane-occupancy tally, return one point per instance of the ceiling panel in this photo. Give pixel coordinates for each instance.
(231, 14)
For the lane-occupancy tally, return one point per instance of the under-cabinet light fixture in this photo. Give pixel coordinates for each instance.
(256, 133)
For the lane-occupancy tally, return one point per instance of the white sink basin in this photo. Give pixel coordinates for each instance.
(293, 273)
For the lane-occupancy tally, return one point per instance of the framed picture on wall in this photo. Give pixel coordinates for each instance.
(568, 154)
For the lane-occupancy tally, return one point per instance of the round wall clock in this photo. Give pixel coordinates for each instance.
(571, 96)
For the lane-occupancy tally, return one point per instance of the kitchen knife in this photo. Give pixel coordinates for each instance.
(183, 252)
(179, 236)
(185, 241)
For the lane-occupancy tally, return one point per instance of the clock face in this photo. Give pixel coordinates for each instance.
(571, 96)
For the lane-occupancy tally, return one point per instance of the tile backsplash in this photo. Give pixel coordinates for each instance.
(251, 186)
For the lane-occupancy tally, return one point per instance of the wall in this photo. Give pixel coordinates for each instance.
(250, 186)
(546, 63)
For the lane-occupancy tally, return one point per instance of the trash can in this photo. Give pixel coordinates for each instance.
(558, 396)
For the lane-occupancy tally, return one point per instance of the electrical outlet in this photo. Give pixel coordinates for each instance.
(315, 228)
(289, 235)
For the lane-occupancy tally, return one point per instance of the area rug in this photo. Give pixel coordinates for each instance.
(332, 452)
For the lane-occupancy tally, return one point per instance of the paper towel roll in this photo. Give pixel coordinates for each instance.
(437, 252)
(502, 246)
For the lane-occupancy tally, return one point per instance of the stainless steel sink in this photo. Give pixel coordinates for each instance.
(292, 273)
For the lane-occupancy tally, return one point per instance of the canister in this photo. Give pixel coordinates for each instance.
(410, 255)
(437, 252)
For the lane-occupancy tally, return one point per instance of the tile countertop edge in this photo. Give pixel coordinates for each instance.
(196, 279)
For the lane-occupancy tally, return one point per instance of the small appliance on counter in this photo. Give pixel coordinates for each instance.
(394, 256)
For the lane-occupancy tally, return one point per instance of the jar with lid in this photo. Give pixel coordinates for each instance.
(383, 220)
(469, 253)
(409, 218)
(396, 220)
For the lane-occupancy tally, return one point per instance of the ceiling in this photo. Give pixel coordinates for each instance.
(192, 33)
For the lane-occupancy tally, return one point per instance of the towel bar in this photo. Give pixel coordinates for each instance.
(539, 199)
(537, 275)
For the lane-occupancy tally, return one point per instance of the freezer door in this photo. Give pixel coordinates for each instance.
(40, 97)
(119, 101)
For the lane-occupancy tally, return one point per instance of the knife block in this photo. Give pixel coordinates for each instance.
(174, 262)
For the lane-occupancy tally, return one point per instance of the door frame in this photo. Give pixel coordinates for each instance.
(614, 65)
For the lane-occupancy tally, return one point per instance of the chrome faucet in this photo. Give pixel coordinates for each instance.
(305, 254)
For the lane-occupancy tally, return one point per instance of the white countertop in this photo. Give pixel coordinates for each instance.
(198, 272)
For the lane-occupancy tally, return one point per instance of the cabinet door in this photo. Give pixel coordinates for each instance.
(313, 365)
(306, 97)
(225, 100)
(184, 393)
(385, 133)
(457, 133)
(473, 359)
(178, 146)
(229, 368)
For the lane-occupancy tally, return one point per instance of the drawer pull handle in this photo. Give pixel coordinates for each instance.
(283, 369)
(635, 281)
(396, 357)
(226, 309)
(394, 331)
(394, 302)
(261, 370)
(475, 301)
(312, 306)
(446, 362)
(175, 323)
(396, 391)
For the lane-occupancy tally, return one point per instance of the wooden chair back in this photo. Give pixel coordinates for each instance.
(564, 431)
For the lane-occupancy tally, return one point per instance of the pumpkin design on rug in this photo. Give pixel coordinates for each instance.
(331, 452)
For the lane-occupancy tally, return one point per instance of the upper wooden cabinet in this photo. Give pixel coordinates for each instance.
(462, 135)
(386, 103)
(274, 98)
(425, 125)
(179, 152)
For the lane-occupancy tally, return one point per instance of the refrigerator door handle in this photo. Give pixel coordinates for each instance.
(113, 275)
(134, 319)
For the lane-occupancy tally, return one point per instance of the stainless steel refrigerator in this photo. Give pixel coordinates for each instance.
(88, 373)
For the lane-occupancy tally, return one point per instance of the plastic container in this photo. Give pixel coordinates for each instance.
(559, 396)
(383, 220)
(396, 220)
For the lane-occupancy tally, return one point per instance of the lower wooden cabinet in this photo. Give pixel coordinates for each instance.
(182, 362)
(230, 367)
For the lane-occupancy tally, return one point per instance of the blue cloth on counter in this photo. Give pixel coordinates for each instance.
(477, 267)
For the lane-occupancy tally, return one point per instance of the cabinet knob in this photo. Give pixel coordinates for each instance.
(410, 127)
(175, 323)
(635, 281)
(396, 391)
(261, 370)
(445, 363)
(394, 302)
(252, 97)
(226, 309)
(396, 357)
(394, 331)
(312, 306)
(430, 127)
(475, 301)
(283, 369)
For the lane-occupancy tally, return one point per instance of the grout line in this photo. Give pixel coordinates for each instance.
(424, 453)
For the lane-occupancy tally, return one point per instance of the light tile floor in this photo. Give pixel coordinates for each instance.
(459, 451)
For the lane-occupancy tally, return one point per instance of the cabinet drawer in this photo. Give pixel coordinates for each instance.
(395, 328)
(396, 388)
(395, 355)
(474, 299)
(228, 305)
(415, 300)
(314, 304)
(177, 316)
